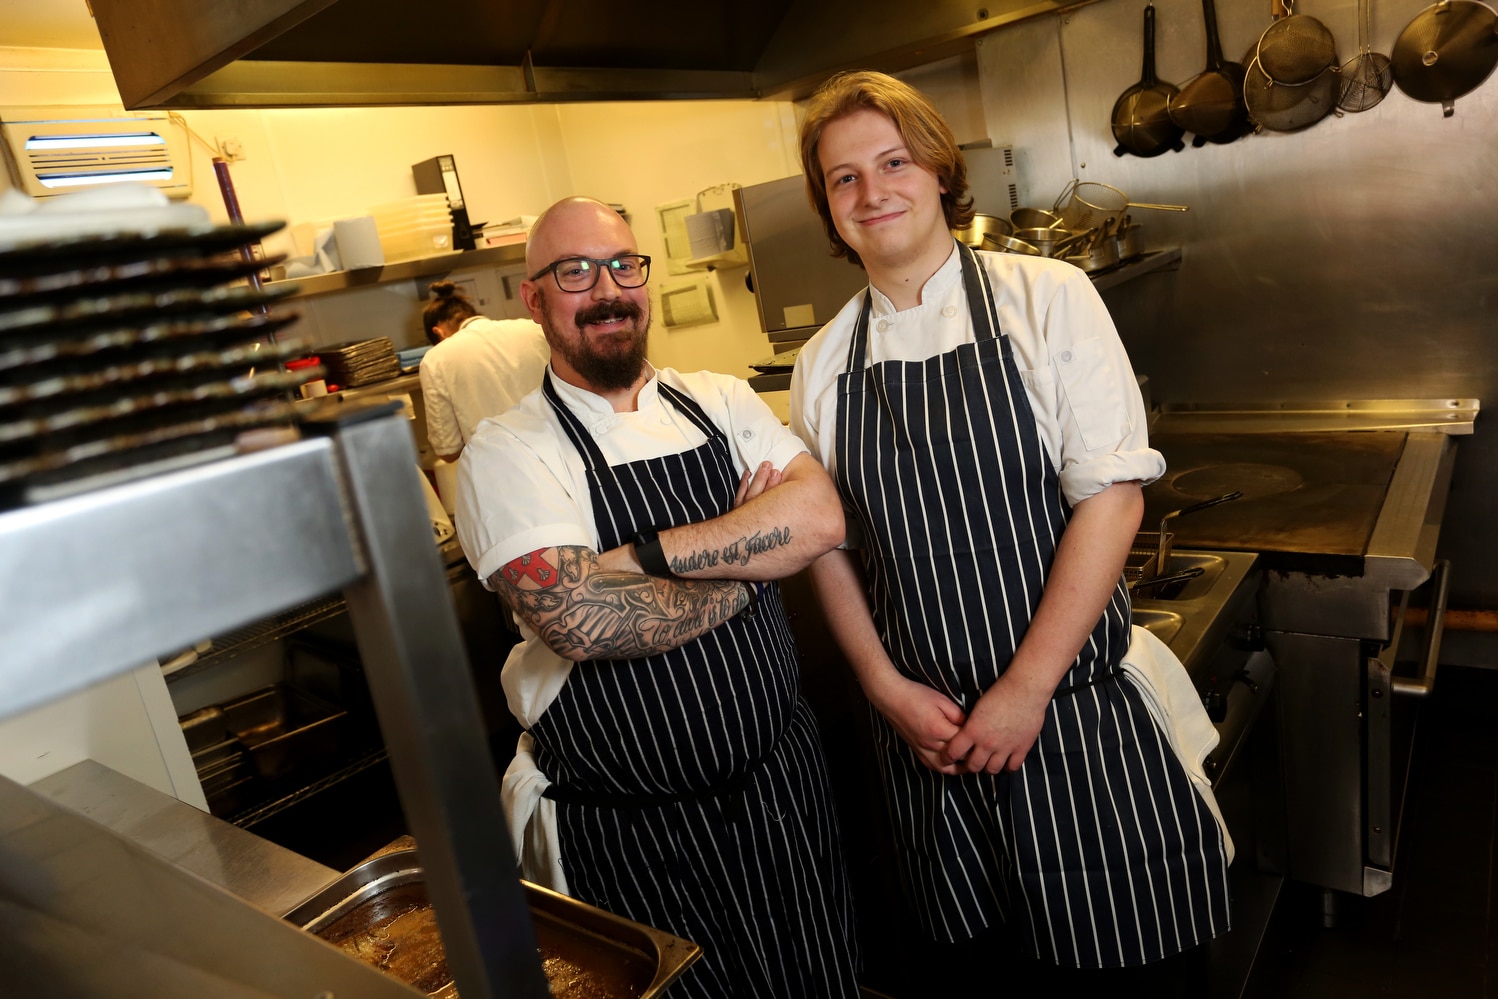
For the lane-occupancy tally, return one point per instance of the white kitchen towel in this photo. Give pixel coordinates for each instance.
(532, 818)
(1177, 709)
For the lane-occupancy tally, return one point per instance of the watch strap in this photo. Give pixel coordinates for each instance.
(650, 556)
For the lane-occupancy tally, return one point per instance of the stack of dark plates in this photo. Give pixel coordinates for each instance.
(130, 353)
(359, 362)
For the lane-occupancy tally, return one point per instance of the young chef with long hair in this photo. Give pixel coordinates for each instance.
(984, 428)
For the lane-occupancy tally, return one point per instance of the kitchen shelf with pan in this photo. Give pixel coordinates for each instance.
(211, 548)
(770, 378)
(322, 284)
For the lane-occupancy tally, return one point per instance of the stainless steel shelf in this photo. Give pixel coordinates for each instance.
(322, 284)
(1145, 263)
(97, 583)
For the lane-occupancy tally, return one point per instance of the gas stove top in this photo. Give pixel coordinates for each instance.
(1344, 488)
(1312, 494)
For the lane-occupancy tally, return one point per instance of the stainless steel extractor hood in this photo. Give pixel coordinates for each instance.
(323, 53)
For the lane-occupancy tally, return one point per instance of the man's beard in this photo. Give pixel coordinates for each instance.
(613, 370)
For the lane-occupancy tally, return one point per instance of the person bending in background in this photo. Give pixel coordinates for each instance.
(634, 520)
(986, 433)
(477, 368)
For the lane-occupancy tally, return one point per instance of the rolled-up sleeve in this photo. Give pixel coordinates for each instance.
(1098, 422)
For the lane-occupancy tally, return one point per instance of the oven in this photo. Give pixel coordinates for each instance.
(1342, 504)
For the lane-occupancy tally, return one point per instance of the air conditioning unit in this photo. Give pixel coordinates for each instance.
(53, 150)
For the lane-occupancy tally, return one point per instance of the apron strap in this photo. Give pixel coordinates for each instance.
(688, 407)
(582, 440)
(979, 295)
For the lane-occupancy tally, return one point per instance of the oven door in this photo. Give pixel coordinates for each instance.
(1349, 725)
(1393, 708)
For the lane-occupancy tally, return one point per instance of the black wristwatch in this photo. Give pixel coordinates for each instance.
(648, 553)
(756, 592)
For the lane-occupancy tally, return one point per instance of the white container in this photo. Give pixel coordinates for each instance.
(358, 243)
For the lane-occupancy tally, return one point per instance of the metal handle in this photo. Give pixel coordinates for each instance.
(1174, 577)
(1423, 685)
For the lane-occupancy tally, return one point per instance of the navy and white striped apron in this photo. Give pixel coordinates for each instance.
(1097, 850)
(691, 790)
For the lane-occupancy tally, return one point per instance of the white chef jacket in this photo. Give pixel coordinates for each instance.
(522, 486)
(482, 370)
(1087, 404)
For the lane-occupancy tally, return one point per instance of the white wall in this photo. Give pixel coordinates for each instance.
(128, 723)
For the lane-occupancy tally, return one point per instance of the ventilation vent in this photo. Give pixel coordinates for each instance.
(56, 150)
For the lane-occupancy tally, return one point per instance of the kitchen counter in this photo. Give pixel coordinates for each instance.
(249, 867)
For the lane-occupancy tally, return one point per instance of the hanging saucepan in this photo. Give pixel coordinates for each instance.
(1141, 115)
(1445, 52)
(1210, 104)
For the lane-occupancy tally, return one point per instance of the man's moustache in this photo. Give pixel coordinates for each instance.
(607, 311)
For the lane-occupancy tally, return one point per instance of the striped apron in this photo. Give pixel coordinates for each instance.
(691, 790)
(1097, 850)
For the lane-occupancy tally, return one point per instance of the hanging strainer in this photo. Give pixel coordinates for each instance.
(1085, 205)
(1294, 49)
(1367, 76)
(1282, 108)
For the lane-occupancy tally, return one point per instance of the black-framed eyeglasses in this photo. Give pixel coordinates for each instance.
(629, 270)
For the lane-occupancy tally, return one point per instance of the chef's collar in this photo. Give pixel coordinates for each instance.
(936, 286)
(585, 403)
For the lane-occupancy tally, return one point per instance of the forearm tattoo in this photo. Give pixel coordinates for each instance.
(578, 607)
(734, 553)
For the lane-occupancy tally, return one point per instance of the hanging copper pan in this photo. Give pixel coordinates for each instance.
(1446, 52)
(1210, 104)
(1141, 115)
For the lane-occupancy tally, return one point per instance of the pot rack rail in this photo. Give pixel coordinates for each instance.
(100, 582)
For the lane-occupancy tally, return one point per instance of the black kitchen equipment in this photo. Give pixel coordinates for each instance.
(1367, 76)
(126, 352)
(1141, 115)
(1295, 49)
(1282, 107)
(439, 175)
(1445, 52)
(1210, 104)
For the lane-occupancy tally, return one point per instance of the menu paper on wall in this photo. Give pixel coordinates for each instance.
(673, 222)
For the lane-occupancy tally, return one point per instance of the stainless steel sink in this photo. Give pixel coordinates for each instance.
(1193, 617)
(1163, 623)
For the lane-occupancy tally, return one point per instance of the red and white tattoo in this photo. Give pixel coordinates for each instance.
(540, 572)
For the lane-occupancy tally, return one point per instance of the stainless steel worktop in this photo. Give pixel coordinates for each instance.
(256, 870)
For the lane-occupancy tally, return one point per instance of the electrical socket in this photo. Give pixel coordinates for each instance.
(231, 150)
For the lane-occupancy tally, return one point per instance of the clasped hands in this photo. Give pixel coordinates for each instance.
(995, 736)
